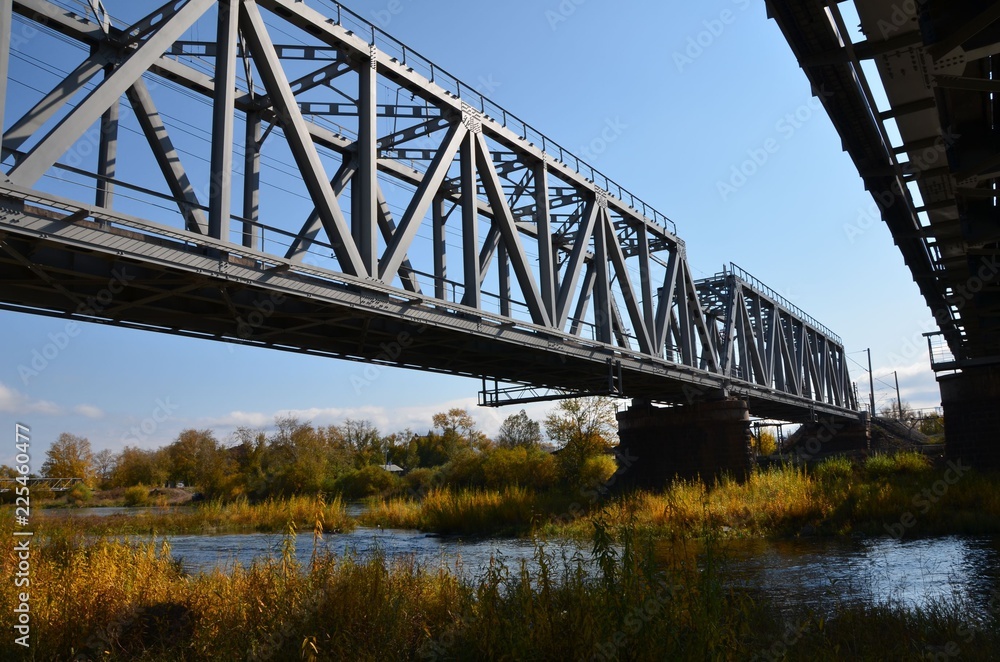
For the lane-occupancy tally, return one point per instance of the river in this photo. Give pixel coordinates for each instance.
(816, 573)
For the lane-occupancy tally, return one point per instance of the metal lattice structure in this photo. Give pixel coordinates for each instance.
(180, 184)
(929, 157)
(53, 484)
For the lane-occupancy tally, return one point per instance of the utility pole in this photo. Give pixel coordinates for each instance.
(871, 381)
(899, 401)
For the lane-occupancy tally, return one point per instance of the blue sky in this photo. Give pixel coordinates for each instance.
(669, 99)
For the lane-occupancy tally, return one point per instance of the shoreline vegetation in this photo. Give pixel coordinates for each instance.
(106, 588)
(901, 495)
(111, 599)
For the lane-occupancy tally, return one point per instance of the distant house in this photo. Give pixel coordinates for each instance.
(392, 468)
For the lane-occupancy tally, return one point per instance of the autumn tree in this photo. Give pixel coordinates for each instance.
(519, 431)
(585, 429)
(70, 456)
(137, 466)
(104, 465)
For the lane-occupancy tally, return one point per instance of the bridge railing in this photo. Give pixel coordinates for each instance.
(470, 95)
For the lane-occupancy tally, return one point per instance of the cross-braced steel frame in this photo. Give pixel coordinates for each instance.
(270, 174)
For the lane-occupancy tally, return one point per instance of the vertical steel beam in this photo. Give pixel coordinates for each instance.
(251, 180)
(43, 155)
(503, 266)
(470, 223)
(646, 280)
(5, 29)
(440, 249)
(583, 303)
(221, 184)
(107, 152)
(365, 189)
(543, 223)
(602, 284)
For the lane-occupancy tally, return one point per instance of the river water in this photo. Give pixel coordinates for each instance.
(815, 573)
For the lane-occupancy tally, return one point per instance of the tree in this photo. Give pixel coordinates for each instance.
(583, 420)
(70, 457)
(458, 431)
(584, 428)
(104, 464)
(519, 431)
(136, 466)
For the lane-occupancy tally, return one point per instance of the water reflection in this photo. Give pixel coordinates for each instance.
(820, 573)
(467, 557)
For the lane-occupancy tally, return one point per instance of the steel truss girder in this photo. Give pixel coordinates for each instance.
(766, 343)
(589, 243)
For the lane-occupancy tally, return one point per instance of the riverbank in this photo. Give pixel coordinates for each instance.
(901, 495)
(110, 599)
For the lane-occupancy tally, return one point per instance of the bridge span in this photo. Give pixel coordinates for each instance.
(913, 95)
(304, 182)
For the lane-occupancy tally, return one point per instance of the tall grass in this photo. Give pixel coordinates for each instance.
(113, 600)
(468, 511)
(240, 516)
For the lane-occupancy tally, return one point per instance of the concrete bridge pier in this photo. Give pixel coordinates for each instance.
(703, 439)
(971, 403)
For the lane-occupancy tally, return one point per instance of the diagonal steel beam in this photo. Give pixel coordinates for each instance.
(44, 155)
(387, 227)
(581, 246)
(311, 228)
(167, 157)
(50, 104)
(420, 203)
(665, 302)
(301, 145)
(503, 218)
(636, 316)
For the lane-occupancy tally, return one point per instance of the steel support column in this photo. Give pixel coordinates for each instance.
(220, 187)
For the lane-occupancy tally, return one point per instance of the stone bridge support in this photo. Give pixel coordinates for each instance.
(704, 440)
(971, 403)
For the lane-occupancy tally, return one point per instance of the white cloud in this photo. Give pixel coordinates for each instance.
(89, 411)
(15, 402)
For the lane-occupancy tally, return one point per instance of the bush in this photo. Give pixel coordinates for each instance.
(421, 480)
(906, 462)
(534, 468)
(597, 470)
(137, 495)
(368, 481)
(79, 494)
(834, 468)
